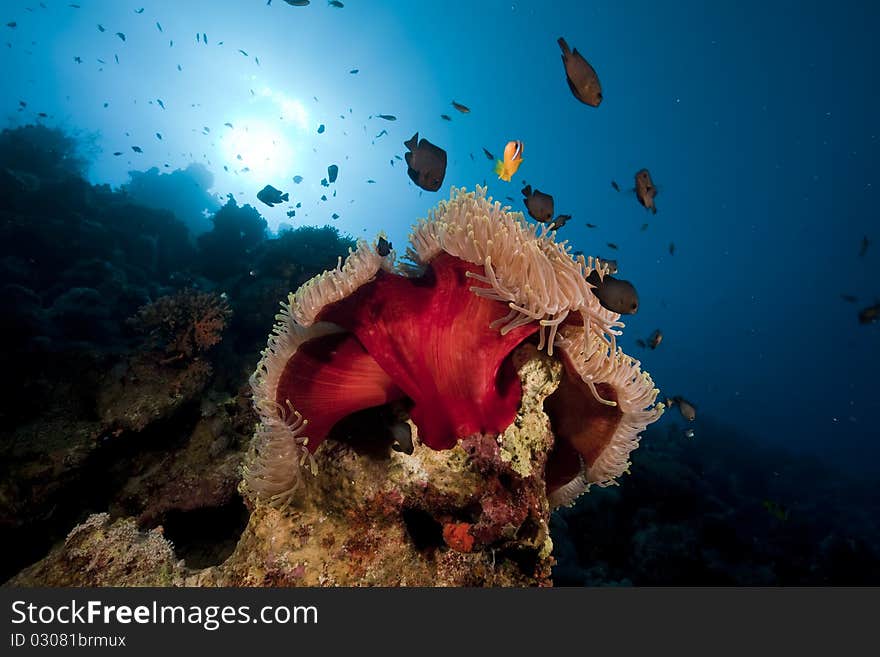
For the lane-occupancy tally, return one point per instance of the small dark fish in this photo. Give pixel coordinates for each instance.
(848, 298)
(74, 6)
(381, 132)
(687, 410)
(139, 11)
(560, 221)
(159, 26)
(426, 163)
(387, 117)
(161, 104)
(206, 129)
(581, 77)
(22, 103)
(870, 314)
(370, 181)
(641, 343)
(257, 60)
(646, 190)
(615, 186)
(616, 295)
(42, 115)
(159, 136)
(644, 227)
(383, 247)
(401, 433)
(864, 248)
(672, 248)
(323, 197)
(299, 205)
(592, 226)
(121, 35)
(11, 24)
(297, 3)
(354, 71)
(655, 339)
(291, 213)
(445, 117)
(227, 124)
(137, 149)
(324, 182)
(205, 38)
(539, 204)
(461, 108)
(335, 3)
(106, 104)
(334, 216)
(242, 52)
(117, 153)
(101, 28)
(332, 172)
(612, 245)
(297, 179)
(116, 57)
(489, 155)
(78, 60)
(271, 196)
(321, 129)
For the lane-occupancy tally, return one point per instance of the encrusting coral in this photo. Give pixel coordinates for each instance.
(435, 336)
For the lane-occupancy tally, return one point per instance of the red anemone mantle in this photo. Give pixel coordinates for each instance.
(367, 334)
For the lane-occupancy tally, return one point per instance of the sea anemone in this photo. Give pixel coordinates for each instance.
(436, 333)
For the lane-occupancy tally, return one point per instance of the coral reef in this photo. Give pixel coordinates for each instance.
(101, 552)
(183, 325)
(135, 438)
(169, 370)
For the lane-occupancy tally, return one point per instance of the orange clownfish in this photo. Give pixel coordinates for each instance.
(512, 159)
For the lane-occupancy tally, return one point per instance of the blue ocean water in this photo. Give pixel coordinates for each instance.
(757, 120)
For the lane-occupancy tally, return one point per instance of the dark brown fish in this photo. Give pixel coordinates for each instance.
(616, 295)
(582, 78)
(592, 226)
(445, 117)
(612, 245)
(383, 247)
(539, 204)
(461, 108)
(672, 248)
(615, 186)
(387, 117)
(870, 314)
(655, 339)
(864, 248)
(489, 155)
(426, 163)
(646, 190)
(687, 410)
(560, 221)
